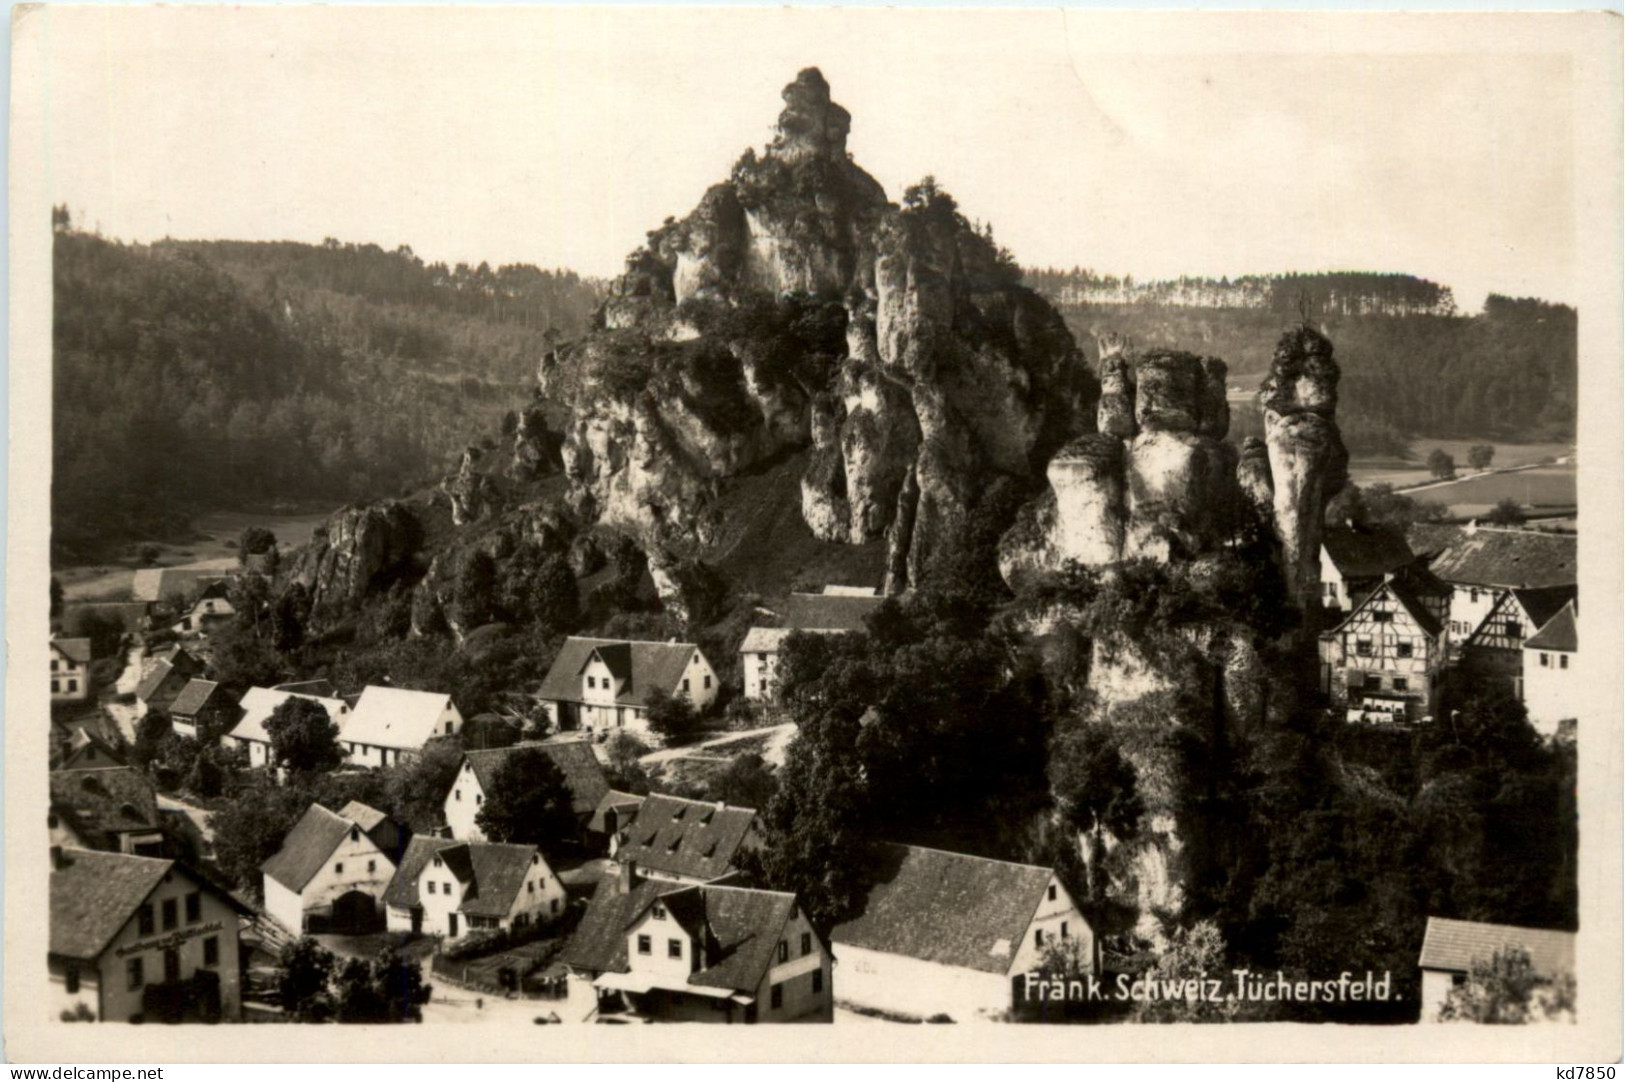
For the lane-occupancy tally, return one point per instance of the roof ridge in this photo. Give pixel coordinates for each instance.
(972, 856)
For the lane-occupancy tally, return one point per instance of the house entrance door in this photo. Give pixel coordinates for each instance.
(451, 925)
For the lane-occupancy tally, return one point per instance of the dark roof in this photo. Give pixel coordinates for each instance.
(1454, 945)
(949, 908)
(1497, 557)
(101, 803)
(153, 679)
(614, 798)
(322, 689)
(498, 876)
(1410, 597)
(1365, 551)
(639, 668)
(695, 839)
(828, 612)
(307, 847)
(162, 583)
(402, 891)
(195, 696)
(582, 771)
(93, 895)
(741, 928)
(74, 649)
(1558, 633)
(83, 743)
(1542, 604)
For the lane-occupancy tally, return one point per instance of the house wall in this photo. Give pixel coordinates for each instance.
(463, 801)
(892, 982)
(259, 752)
(662, 932)
(397, 919)
(1334, 591)
(761, 668)
(62, 1003)
(1550, 688)
(1468, 607)
(1056, 918)
(1349, 669)
(540, 900)
(442, 902)
(70, 681)
(699, 682)
(284, 905)
(1436, 985)
(795, 978)
(217, 920)
(364, 868)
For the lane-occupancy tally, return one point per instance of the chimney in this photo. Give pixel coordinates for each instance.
(627, 876)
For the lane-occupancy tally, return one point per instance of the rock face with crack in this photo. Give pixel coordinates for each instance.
(358, 551)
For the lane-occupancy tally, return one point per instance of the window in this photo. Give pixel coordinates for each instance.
(372, 865)
(1545, 661)
(448, 728)
(172, 966)
(143, 919)
(56, 685)
(53, 664)
(445, 888)
(1362, 647)
(1373, 680)
(764, 684)
(708, 682)
(194, 907)
(338, 869)
(685, 685)
(659, 911)
(645, 944)
(71, 979)
(172, 915)
(1380, 617)
(530, 886)
(1038, 937)
(553, 906)
(592, 681)
(1401, 684)
(135, 973)
(1406, 649)
(674, 948)
(73, 685)
(431, 886)
(777, 998)
(1514, 629)
(211, 951)
(1052, 892)
(806, 944)
(762, 658)
(784, 951)
(1064, 933)
(457, 794)
(1473, 596)
(1562, 661)
(355, 834)
(818, 980)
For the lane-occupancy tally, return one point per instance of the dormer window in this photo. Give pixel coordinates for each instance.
(355, 834)
(659, 911)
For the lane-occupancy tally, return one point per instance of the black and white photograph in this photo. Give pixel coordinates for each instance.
(974, 532)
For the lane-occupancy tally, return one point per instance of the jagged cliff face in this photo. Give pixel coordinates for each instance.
(797, 308)
(360, 550)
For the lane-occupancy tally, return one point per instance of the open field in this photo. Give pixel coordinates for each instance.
(1412, 471)
(1542, 486)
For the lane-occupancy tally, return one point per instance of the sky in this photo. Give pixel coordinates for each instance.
(1147, 145)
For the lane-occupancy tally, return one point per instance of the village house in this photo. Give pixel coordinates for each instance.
(604, 686)
(332, 871)
(70, 670)
(1494, 651)
(388, 724)
(84, 749)
(837, 610)
(166, 585)
(663, 951)
(1384, 660)
(1451, 947)
(1482, 563)
(615, 810)
(451, 888)
(1355, 558)
(163, 678)
(575, 759)
(1551, 687)
(687, 841)
(111, 808)
(211, 609)
(257, 706)
(205, 703)
(134, 938)
(949, 933)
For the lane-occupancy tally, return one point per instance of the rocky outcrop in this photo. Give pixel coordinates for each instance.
(796, 307)
(470, 491)
(359, 550)
(533, 454)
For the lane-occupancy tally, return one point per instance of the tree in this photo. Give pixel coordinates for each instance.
(673, 717)
(1380, 505)
(56, 598)
(356, 997)
(303, 737)
(1506, 990)
(104, 630)
(249, 830)
(1194, 953)
(417, 789)
(1480, 455)
(1441, 463)
(1506, 513)
(304, 971)
(626, 773)
(289, 616)
(747, 782)
(529, 801)
(476, 589)
(1094, 784)
(150, 733)
(254, 541)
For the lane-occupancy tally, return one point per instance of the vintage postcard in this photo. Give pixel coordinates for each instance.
(985, 534)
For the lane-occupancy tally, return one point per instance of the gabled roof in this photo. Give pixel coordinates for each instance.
(626, 804)
(949, 908)
(582, 771)
(695, 839)
(1365, 551)
(259, 703)
(1541, 604)
(742, 929)
(765, 640)
(1408, 598)
(322, 689)
(75, 650)
(162, 583)
(93, 896)
(152, 681)
(1536, 606)
(307, 847)
(1561, 632)
(83, 744)
(498, 876)
(362, 816)
(639, 667)
(196, 696)
(395, 717)
(1483, 556)
(828, 612)
(402, 892)
(1454, 945)
(100, 803)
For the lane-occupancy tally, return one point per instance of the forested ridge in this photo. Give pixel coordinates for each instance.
(203, 375)
(1412, 364)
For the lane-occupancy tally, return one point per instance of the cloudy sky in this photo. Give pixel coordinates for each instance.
(1149, 145)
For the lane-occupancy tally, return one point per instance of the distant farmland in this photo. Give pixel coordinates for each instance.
(1542, 486)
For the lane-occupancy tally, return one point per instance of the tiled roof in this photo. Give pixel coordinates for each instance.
(361, 815)
(599, 943)
(828, 612)
(100, 803)
(162, 583)
(307, 847)
(626, 804)
(1497, 557)
(76, 650)
(498, 876)
(395, 717)
(402, 892)
(949, 908)
(1364, 551)
(1558, 633)
(259, 703)
(194, 697)
(582, 771)
(152, 681)
(322, 689)
(1454, 945)
(85, 744)
(639, 667)
(695, 839)
(93, 895)
(1540, 605)
(1408, 597)
(764, 640)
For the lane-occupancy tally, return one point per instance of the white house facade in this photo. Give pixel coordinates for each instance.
(603, 686)
(391, 723)
(329, 873)
(468, 887)
(1551, 671)
(70, 670)
(257, 705)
